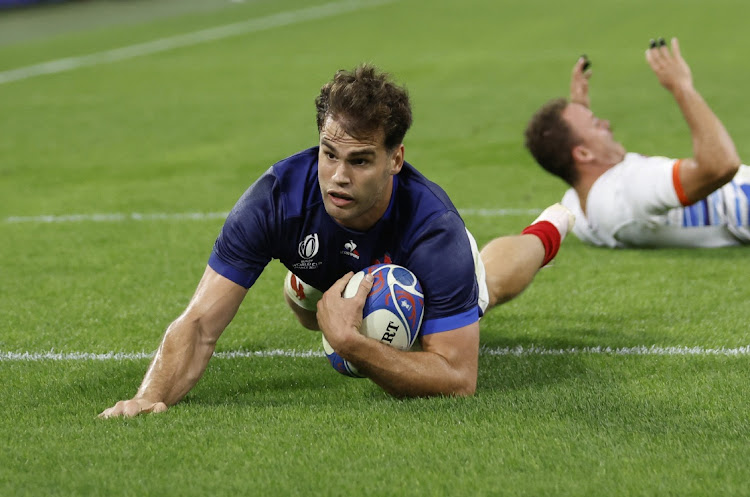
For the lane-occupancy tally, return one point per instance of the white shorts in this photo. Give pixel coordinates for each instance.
(307, 296)
(484, 294)
(301, 293)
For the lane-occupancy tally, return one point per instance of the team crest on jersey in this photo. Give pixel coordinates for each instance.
(350, 249)
(307, 249)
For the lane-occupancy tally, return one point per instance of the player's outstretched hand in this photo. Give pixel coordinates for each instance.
(579, 82)
(133, 407)
(341, 317)
(669, 66)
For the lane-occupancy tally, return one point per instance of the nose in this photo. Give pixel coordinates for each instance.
(340, 174)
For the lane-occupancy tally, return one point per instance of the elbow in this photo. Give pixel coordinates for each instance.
(722, 172)
(465, 392)
(467, 388)
(463, 383)
(726, 166)
(731, 168)
(726, 172)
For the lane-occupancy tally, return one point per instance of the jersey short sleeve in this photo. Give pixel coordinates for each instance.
(648, 185)
(442, 260)
(243, 247)
(634, 191)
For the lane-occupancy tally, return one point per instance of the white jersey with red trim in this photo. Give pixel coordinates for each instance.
(635, 204)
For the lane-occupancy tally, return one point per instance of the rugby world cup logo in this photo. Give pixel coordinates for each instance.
(308, 247)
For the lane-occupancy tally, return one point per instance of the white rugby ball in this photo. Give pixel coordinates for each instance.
(392, 314)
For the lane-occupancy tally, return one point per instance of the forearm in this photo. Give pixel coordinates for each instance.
(178, 364)
(186, 347)
(579, 83)
(715, 160)
(713, 148)
(447, 364)
(412, 373)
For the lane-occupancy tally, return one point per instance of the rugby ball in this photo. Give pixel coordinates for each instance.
(392, 314)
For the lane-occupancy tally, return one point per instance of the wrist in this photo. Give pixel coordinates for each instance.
(682, 89)
(345, 342)
(144, 401)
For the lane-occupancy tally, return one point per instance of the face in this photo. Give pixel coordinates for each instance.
(597, 143)
(356, 175)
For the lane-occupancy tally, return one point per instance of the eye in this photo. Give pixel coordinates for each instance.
(330, 155)
(359, 162)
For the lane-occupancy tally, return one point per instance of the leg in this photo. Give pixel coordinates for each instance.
(302, 299)
(511, 262)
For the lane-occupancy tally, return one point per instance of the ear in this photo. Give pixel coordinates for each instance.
(397, 159)
(581, 154)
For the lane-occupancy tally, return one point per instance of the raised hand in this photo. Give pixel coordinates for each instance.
(579, 82)
(669, 66)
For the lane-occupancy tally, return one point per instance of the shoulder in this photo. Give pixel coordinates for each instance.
(423, 200)
(631, 192)
(631, 173)
(635, 168)
(424, 216)
(288, 185)
(296, 170)
(306, 159)
(416, 182)
(637, 179)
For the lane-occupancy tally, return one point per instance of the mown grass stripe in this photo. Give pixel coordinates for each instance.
(188, 39)
(117, 217)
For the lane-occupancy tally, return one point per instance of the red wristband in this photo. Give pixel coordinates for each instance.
(550, 237)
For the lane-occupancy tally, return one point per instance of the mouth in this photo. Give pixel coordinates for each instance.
(340, 199)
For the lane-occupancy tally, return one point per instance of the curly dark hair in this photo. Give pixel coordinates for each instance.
(550, 140)
(364, 101)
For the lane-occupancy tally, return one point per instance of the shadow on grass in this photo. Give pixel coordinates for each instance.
(502, 368)
(246, 382)
(282, 381)
(292, 382)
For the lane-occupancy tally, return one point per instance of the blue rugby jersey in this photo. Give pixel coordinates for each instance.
(282, 216)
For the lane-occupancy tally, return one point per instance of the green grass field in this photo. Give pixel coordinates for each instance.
(615, 373)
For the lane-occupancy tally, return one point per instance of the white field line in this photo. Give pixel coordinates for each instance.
(200, 216)
(189, 39)
(519, 351)
(117, 217)
(499, 212)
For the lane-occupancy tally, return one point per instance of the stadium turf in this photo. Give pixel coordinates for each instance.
(615, 373)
